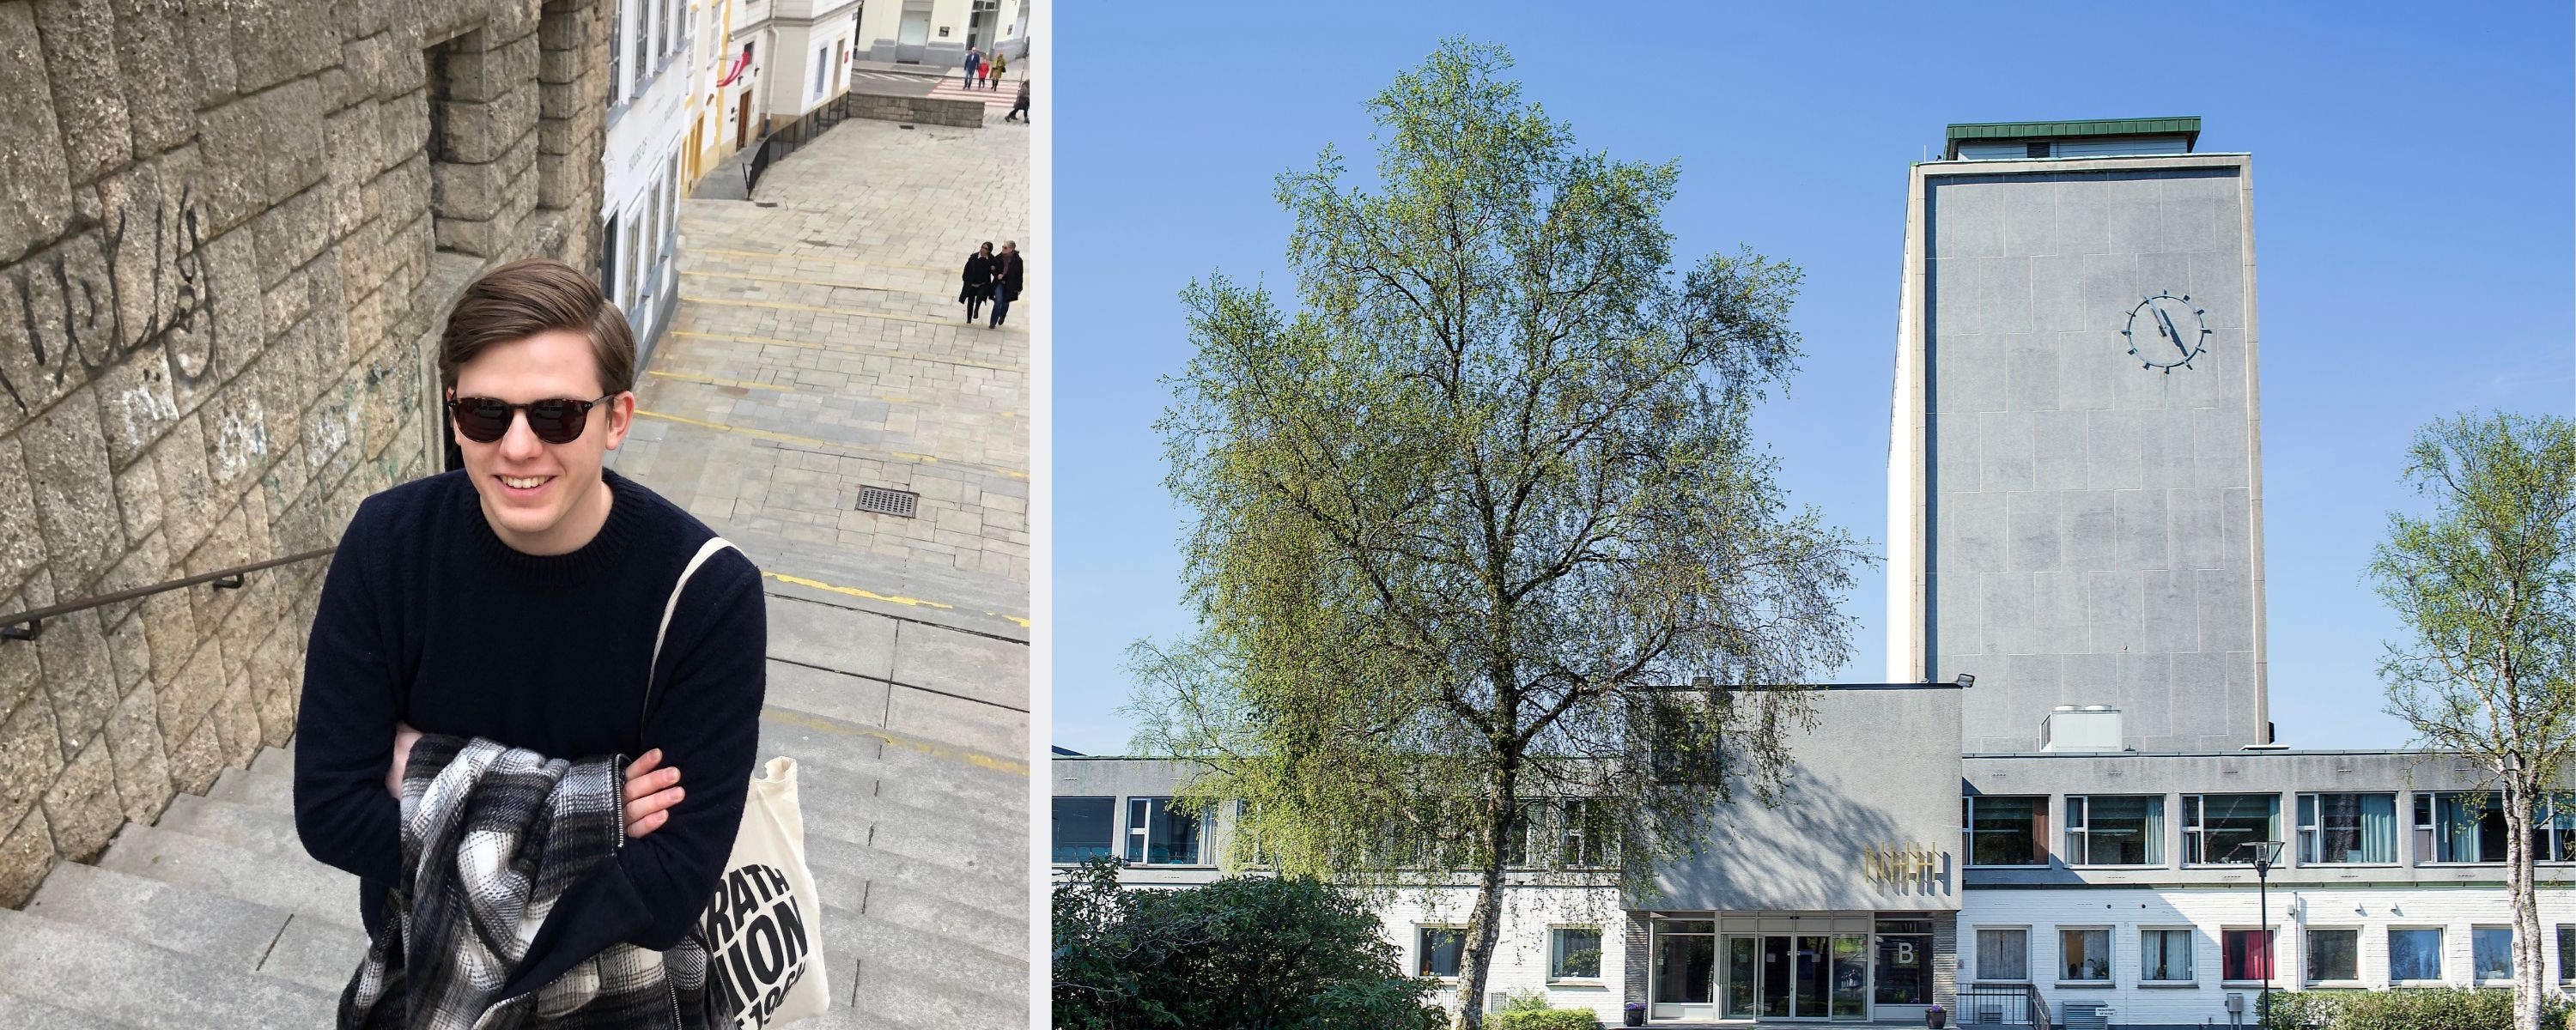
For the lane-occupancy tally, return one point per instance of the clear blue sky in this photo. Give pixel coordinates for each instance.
(2412, 222)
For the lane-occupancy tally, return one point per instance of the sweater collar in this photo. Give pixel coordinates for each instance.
(626, 516)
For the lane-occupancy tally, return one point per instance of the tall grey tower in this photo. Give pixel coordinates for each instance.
(2074, 471)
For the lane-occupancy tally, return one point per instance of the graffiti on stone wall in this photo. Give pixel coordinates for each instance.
(139, 279)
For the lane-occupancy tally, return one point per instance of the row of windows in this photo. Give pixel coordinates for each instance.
(1573, 952)
(1569, 834)
(661, 29)
(2331, 829)
(2088, 956)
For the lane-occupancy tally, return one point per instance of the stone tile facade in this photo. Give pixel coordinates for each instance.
(228, 235)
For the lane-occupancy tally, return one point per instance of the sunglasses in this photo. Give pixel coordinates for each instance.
(554, 420)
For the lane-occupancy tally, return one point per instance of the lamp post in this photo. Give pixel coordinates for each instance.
(2264, 854)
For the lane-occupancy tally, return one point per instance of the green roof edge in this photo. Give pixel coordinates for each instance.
(2092, 127)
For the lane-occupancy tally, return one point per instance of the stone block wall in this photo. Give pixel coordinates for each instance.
(919, 110)
(229, 232)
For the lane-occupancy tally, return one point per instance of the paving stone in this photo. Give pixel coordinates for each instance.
(142, 985)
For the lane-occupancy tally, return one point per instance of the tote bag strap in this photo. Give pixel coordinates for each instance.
(706, 551)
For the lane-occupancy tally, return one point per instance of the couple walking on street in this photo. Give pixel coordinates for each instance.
(986, 71)
(992, 277)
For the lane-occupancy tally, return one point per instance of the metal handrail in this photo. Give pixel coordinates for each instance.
(28, 625)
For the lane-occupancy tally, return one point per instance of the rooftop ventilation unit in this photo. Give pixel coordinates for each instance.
(2090, 728)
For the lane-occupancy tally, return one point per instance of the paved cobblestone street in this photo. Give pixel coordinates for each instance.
(818, 351)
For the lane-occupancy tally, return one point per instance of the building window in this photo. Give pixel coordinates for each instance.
(2213, 825)
(2414, 954)
(1438, 948)
(1589, 838)
(2003, 953)
(2334, 956)
(2034, 150)
(1904, 974)
(2007, 831)
(1574, 953)
(1521, 848)
(2460, 827)
(2084, 956)
(2491, 953)
(2566, 951)
(2115, 830)
(1156, 835)
(2164, 956)
(822, 63)
(1084, 828)
(643, 39)
(616, 57)
(2347, 828)
(2553, 829)
(2245, 955)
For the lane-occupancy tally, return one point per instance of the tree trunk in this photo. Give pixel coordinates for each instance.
(2527, 989)
(1485, 927)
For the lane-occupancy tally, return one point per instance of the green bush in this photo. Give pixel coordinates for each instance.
(2439, 1008)
(1543, 1019)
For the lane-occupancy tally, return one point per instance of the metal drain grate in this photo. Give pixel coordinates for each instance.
(898, 503)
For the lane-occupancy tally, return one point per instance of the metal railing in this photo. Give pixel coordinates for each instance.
(2002, 1005)
(29, 625)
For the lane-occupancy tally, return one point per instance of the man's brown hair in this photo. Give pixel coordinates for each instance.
(530, 296)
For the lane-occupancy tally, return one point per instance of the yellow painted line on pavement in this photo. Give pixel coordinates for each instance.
(856, 592)
(864, 451)
(857, 312)
(713, 381)
(835, 260)
(808, 282)
(848, 349)
(975, 758)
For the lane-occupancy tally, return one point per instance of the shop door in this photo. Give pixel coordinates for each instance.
(912, 36)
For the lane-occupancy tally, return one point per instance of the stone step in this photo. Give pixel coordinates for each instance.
(921, 913)
(224, 930)
(990, 863)
(302, 886)
(998, 805)
(36, 1015)
(998, 900)
(272, 788)
(950, 770)
(248, 827)
(275, 759)
(978, 987)
(143, 986)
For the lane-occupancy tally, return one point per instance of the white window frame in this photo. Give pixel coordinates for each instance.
(1570, 841)
(1422, 949)
(2441, 954)
(2566, 940)
(2307, 951)
(2271, 956)
(2306, 811)
(1977, 948)
(2474, 978)
(2193, 833)
(1132, 832)
(2082, 826)
(2191, 957)
(2110, 956)
(1556, 952)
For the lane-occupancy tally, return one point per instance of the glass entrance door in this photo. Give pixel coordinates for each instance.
(1797, 976)
(1685, 975)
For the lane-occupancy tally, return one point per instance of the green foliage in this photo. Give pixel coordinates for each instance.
(1531, 1000)
(1543, 1018)
(2446, 1008)
(1237, 954)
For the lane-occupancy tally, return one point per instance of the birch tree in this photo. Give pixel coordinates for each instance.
(1484, 545)
(2487, 586)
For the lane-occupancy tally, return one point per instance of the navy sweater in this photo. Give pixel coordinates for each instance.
(428, 618)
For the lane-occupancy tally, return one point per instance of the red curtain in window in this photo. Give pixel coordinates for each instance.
(2249, 956)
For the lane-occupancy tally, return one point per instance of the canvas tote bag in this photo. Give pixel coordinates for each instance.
(764, 930)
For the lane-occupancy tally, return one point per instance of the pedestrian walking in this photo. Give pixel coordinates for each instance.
(1000, 64)
(974, 63)
(1020, 109)
(977, 284)
(513, 600)
(1007, 268)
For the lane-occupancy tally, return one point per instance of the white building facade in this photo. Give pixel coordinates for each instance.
(2052, 815)
(650, 66)
(937, 33)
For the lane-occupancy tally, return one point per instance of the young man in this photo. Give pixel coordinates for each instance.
(1006, 281)
(517, 600)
